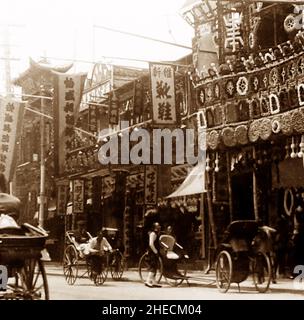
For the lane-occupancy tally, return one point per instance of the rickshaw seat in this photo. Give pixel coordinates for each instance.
(168, 243)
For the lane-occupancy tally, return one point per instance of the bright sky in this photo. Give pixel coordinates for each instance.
(64, 29)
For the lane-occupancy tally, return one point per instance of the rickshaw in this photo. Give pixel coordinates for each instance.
(20, 253)
(74, 261)
(172, 262)
(116, 261)
(77, 265)
(239, 255)
(21, 246)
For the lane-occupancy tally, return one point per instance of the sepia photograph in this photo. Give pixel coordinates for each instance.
(151, 151)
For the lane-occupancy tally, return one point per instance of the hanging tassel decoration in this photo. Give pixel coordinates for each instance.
(292, 147)
(216, 169)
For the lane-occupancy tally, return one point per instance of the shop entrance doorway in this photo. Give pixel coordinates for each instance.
(242, 196)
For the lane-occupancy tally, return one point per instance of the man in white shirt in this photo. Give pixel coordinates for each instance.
(96, 249)
(99, 244)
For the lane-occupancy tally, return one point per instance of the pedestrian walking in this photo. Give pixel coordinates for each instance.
(153, 254)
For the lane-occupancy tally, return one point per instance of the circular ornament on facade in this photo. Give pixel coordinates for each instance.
(265, 129)
(242, 86)
(230, 89)
(241, 134)
(274, 77)
(298, 121)
(276, 125)
(286, 123)
(213, 139)
(201, 97)
(290, 23)
(254, 131)
(228, 136)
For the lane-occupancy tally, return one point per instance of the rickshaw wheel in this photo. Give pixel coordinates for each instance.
(178, 279)
(70, 264)
(89, 269)
(30, 281)
(143, 268)
(261, 272)
(117, 265)
(223, 271)
(101, 277)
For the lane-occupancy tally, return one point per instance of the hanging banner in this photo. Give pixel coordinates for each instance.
(150, 185)
(163, 94)
(93, 118)
(113, 108)
(62, 198)
(68, 93)
(78, 196)
(11, 115)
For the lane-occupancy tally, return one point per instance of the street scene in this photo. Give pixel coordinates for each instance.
(152, 150)
(199, 287)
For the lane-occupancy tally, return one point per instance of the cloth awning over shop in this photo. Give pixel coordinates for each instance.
(193, 184)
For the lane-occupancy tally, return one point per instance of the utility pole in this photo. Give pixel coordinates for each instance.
(42, 163)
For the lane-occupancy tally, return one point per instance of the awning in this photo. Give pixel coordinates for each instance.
(193, 184)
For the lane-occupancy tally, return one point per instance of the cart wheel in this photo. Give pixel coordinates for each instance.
(30, 281)
(177, 279)
(100, 278)
(70, 264)
(223, 271)
(143, 268)
(89, 268)
(261, 272)
(117, 265)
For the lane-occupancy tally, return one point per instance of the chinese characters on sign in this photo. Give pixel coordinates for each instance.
(68, 92)
(234, 38)
(113, 109)
(150, 185)
(11, 113)
(93, 117)
(78, 196)
(62, 191)
(163, 94)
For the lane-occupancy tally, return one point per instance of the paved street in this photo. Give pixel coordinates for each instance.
(201, 287)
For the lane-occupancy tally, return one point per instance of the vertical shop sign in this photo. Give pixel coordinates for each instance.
(68, 93)
(150, 185)
(78, 196)
(62, 194)
(163, 94)
(11, 114)
(113, 108)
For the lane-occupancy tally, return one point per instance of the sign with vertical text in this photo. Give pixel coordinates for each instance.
(78, 196)
(68, 93)
(150, 185)
(62, 198)
(11, 115)
(163, 94)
